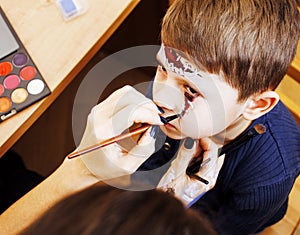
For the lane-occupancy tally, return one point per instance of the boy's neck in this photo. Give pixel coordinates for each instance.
(231, 132)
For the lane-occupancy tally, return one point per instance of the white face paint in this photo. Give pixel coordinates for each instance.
(208, 103)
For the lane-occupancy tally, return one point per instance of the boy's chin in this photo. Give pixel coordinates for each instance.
(174, 134)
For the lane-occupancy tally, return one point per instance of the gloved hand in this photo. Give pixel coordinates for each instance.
(185, 187)
(117, 113)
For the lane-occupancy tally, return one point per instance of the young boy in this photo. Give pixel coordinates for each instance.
(232, 56)
(245, 47)
(220, 62)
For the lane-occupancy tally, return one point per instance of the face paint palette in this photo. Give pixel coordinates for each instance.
(21, 83)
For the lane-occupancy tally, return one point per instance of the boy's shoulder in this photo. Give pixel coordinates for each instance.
(282, 132)
(270, 157)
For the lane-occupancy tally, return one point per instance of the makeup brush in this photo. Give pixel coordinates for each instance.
(144, 127)
(196, 163)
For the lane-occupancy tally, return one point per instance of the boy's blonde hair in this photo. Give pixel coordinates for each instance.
(251, 43)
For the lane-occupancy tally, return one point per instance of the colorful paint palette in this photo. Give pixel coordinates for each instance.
(21, 83)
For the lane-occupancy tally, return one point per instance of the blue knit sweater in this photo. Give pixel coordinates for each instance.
(256, 178)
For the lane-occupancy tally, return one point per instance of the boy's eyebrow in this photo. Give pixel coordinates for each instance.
(160, 62)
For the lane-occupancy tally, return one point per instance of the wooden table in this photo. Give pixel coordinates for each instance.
(60, 49)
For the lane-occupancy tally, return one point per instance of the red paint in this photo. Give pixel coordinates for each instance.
(5, 68)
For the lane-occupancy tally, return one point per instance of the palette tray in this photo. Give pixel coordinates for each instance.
(21, 83)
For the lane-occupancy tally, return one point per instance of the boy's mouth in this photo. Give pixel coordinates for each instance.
(168, 125)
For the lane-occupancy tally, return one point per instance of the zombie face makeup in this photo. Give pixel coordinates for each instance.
(208, 104)
(176, 62)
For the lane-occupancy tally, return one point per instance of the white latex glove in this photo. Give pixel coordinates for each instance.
(117, 113)
(188, 188)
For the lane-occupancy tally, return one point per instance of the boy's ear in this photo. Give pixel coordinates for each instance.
(258, 105)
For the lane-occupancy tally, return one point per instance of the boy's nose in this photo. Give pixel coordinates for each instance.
(168, 97)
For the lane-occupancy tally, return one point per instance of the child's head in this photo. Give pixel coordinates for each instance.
(223, 59)
(251, 43)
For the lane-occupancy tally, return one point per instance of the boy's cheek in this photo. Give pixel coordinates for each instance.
(196, 130)
(199, 123)
(195, 124)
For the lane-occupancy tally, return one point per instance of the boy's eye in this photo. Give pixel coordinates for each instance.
(191, 90)
(190, 93)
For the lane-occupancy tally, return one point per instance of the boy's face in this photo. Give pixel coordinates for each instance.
(208, 104)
